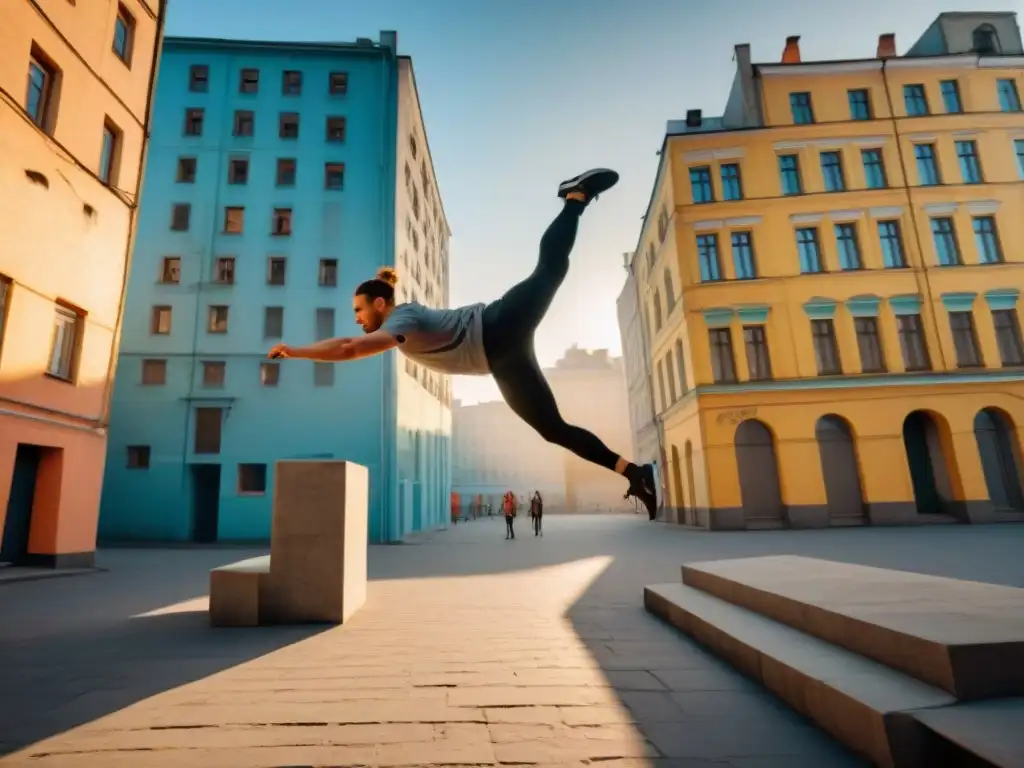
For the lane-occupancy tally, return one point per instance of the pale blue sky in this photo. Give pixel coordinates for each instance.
(519, 95)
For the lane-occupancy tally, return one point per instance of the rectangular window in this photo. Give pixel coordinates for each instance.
(238, 171)
(826, 349)
(281, 223)
(743, 255)
(965, 339)
(160, 321)
(234, 220)
(154, 373)
(986, 237)
(338, 83)
(186, 170)
(656, 307)
(39, 97)
(110, 154)
(67, 328)
(180, 215)
(912, 343)
(224, 270)
(209, 422)
(336, 128)
(707, 255)
(951, 97)
(874, 168)
(758, 361)
(869, 343)
(124, 34)
(194, 121)
(1009, 98)
(199, 78)
(323, 374)
(273, 322)
(671, 371)
(970, 166)
(277, 267)
(800, 106)
(217, 319)
(860, 104)
(832, 171)
(723, 362)
(214, 373)
(1008, 337)
(681, 362)
(138, 457)
(732, 182)
(270, 374)
(789, 171)
(249, 81)
(1018, 148)
(291, 82)
(947, 248)
(286, 172)
(927, 166)
(670, 294)
(809, 250)
(328, 272)
(245, 121)
(661, 384)
(170, 270)
(252, 478)
(892, 244)
(334, 176)
(848, 247)
(700, 184)
(288, 125)
(915, 100)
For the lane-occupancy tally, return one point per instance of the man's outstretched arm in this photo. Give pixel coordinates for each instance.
(340, 349)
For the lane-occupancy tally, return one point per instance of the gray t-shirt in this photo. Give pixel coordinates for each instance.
(443, 340)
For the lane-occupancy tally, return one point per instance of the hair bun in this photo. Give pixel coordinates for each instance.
(388, 275)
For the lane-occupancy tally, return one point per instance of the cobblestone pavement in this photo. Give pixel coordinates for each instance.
(470, 651)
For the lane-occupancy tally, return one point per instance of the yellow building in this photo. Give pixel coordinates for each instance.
(831, 273)
(76, 87)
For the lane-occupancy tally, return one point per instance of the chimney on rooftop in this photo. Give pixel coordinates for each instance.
(791, 53)
(886, 46)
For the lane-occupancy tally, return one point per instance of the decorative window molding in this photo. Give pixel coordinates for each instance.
(806, 218)
(860, 141)
(921, 137)
(1002, 298)
(863, 306)
(853, 214)
(888, 212)
(753, 314)
(707, 225)
(959, 301)
(711, 155)
(818, 308)
(983, 207)
(962, 134)
(905, 304)
(743, 221)
(941, 209)
(718, 317)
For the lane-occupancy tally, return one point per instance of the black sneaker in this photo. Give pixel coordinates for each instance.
(591, 184)
(642, 488)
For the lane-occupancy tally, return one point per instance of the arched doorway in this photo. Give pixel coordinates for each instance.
(1000, 458)
(927, 462)
(759, 473)
(691, 492)
(677, 483)
(839, 468)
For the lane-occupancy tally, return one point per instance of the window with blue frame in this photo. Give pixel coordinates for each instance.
(951, 96)
(860, 104)
(892, 244)
(986, 238)
(810, 252)
(789, 170)
(846, 244)
(970, 167)
(832, 171)
(732, 184)
(874, 168)
(1018, 147)
(800, 106)
(927, 167)
(743, 255)
(915, 100)
(1009, 98)
(700, 183)
(947, 249)
(707, 255)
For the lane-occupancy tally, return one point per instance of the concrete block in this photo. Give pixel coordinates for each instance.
(235, 591)
(964, 637)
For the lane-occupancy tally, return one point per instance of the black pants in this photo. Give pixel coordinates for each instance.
(509, 325)
(509, 530)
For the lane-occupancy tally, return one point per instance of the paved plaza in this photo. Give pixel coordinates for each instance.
(471, 651)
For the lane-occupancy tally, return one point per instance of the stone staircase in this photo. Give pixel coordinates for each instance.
(908, 670)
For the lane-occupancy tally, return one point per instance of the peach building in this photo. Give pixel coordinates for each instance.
(76, 85)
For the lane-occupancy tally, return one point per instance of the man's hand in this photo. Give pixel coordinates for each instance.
(279, 351)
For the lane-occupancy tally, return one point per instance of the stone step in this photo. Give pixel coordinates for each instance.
(962, 636)
(989, 731)
(856, 700)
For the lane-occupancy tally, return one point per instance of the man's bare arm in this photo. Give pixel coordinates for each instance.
(343, 349)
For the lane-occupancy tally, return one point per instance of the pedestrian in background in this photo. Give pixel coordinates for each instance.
(509, 505)
(536, 513)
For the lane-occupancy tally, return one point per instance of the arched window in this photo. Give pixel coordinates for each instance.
(986, 40)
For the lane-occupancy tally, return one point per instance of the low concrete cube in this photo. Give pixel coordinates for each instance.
(235, 593)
